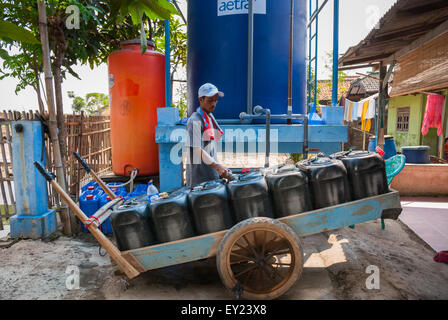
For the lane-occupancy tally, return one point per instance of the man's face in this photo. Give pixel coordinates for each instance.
(208, 104)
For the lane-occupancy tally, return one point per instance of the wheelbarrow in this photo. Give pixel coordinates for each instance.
(258, 258)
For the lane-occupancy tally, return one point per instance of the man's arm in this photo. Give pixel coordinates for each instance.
(201, 153)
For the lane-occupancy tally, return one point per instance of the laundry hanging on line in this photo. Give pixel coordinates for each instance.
(433, 113)
(362, 110)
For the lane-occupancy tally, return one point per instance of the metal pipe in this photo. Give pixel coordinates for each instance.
(180, 11)
(309, 63)
(232, 121)
(250, 57)
(315, 61)
(167, 64)
(291, 33)
(259, 110)
(268, 138)
(314, 15)
(335, 53)
(245, 116)
(305, 139)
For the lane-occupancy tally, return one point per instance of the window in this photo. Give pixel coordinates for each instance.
(403, 119)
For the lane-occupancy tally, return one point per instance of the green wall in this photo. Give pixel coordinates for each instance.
(413, 137)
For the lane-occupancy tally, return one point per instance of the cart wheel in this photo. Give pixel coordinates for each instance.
(260, 258)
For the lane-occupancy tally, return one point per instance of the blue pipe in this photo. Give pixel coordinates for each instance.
(315, 61)
(335, 52)
(167, 64)
(250, 57)
(309, 63)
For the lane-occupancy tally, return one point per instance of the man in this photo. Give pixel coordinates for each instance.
(202, 134)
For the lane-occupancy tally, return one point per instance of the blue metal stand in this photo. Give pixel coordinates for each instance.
(33, 219)
(284, 138)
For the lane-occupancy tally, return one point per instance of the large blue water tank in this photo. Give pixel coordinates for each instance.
(217, 53)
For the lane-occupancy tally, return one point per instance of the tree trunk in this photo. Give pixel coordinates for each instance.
(60, 114)
(65, 214)
(37, 88)
(60, 49)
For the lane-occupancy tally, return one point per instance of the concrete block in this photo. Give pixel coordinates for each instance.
(34, 227)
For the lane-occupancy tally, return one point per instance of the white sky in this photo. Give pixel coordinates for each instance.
(357, 18)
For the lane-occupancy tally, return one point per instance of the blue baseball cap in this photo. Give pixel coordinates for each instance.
(209, 90)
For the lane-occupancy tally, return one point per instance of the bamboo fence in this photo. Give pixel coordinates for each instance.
(87, 135)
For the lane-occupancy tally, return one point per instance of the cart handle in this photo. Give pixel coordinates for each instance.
(83, 162)
(47, 175)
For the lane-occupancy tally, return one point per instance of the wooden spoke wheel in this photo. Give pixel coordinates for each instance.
(260, 258)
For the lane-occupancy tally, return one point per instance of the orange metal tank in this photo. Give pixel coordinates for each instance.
(136, 90)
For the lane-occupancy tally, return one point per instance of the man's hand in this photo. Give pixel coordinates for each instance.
(223, 171)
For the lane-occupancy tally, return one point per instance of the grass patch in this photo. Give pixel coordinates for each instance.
(3, 212)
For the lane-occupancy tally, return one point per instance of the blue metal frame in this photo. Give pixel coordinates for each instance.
(284, 139)
(326, 138)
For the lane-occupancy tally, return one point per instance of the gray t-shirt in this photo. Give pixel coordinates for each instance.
(197, 171)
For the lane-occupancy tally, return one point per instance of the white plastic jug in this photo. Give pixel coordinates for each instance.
(152, 189)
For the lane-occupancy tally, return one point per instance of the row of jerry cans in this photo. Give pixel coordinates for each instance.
(93, 198)
(277, 192)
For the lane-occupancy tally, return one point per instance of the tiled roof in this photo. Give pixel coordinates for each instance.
(369, 84)
(326, 92)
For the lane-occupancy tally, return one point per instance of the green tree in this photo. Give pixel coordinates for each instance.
(92, 104)
(140, 11)
(312, 87)
(341, 74)
(12, 32)
(178, 45)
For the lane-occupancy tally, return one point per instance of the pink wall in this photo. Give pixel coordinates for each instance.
(422, 180)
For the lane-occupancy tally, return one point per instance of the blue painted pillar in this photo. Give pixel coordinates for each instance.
(33, 219)
(170, 149)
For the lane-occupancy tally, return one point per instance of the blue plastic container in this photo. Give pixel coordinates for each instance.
(89, 203)
(121, 190)
(416, 154)
(389, 146)
(89, 184)
(218, 53)
(106, 226)
(139, 190)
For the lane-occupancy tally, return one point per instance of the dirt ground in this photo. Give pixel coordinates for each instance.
(335, 268)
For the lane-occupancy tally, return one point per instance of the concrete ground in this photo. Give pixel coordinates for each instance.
(428, 218)
(335, 268)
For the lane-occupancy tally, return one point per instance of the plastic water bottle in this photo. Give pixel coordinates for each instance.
(152, 190)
